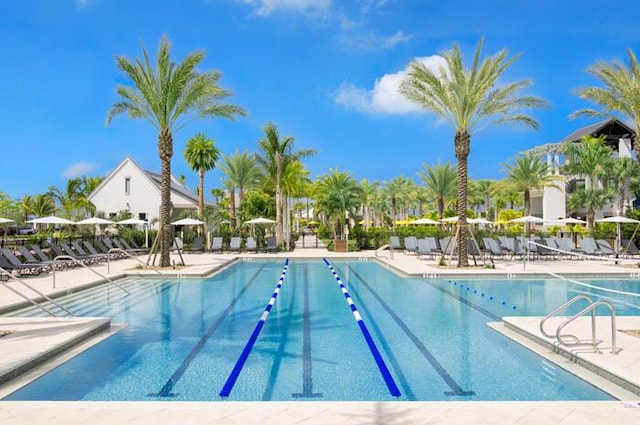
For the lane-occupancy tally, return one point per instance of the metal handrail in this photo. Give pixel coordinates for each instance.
(3, 271)
(75, 260)
(564, 307)
(128, 255)
(591, 307)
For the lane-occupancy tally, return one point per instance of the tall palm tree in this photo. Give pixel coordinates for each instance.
(394, 191)
(201, 155)
(590, 158)
(338, 193)
(620, 94)
(367, 194)
(168, 96)
(467, 98)
(527, 172)
(277, 153)
(242, 170)
(440, 181)
(623, 170)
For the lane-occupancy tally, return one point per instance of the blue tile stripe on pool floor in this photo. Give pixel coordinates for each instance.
(456, 390)
(166, 390)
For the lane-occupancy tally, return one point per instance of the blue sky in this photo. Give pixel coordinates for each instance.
(324, 71)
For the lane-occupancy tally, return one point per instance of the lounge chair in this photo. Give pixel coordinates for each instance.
(93, 251)
(12, 262)
(234, 245)
(543, 249)
(589, 246)
(87, 260)
(216, 244)
(196, 246)
(30, 259)
(251, 245)
(410, 245)
(84, 254)
(493, 248)
(272, 244)
(448, 245)
(424, 248)
(629, 248)
(394, 242)
(604, 246)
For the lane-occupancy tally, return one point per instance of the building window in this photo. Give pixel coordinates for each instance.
(142, 216)
(127, 185)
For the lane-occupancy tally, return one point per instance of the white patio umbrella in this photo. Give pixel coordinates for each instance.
(619, 220)
(51, 219)
(260, 220)
(527, 219)
(570, 220)
(450, 220)
(131, 221)
(6, 220)
(479, 220)
(187, 222)
(424, 221)
(94, 220)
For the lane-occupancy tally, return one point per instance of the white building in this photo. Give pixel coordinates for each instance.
(130, 188)
(550, 203)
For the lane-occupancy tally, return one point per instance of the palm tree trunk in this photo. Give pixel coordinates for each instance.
(462, 143)
(527, 209)
(393, 211)
(232, 207)
(165, 149)
(201, 195)
(279, 237)
(440, 207)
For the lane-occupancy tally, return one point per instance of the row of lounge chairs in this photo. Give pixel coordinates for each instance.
(236, 245)
(510, 248)
(34, 260)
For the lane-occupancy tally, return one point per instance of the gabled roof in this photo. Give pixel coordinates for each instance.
(610, 127)
(154, 179)
(176, 188)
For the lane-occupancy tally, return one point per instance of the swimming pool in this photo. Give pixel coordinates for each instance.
(184, 338)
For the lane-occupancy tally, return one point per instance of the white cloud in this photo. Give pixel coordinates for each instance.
(384, 97)
(79, 169)
(353, 38)
(311, 7)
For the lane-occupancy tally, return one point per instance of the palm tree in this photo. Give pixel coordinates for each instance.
(367, 194)
(217, 193)
(620, 94)
(394, 192)
(72, 200)
(591, 198)
(527, 172)
(168, 96)
(440, 181)
(242, 170)
(467, 98)
(590, 158)
(337, 194)
(623, 170)
(201, 155)
(484, 190)
(277, 153)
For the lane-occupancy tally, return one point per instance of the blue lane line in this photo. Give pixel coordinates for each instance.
(167, 389)
(233, 376)
(382, 366)
(456, 390)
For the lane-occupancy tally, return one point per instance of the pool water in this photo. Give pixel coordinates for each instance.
(184, 337)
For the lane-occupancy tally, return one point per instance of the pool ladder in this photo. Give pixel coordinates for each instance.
(572, 340)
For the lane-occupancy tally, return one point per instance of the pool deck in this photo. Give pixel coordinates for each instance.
(45, 337)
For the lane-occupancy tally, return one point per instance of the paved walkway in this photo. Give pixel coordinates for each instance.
(133, 413)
